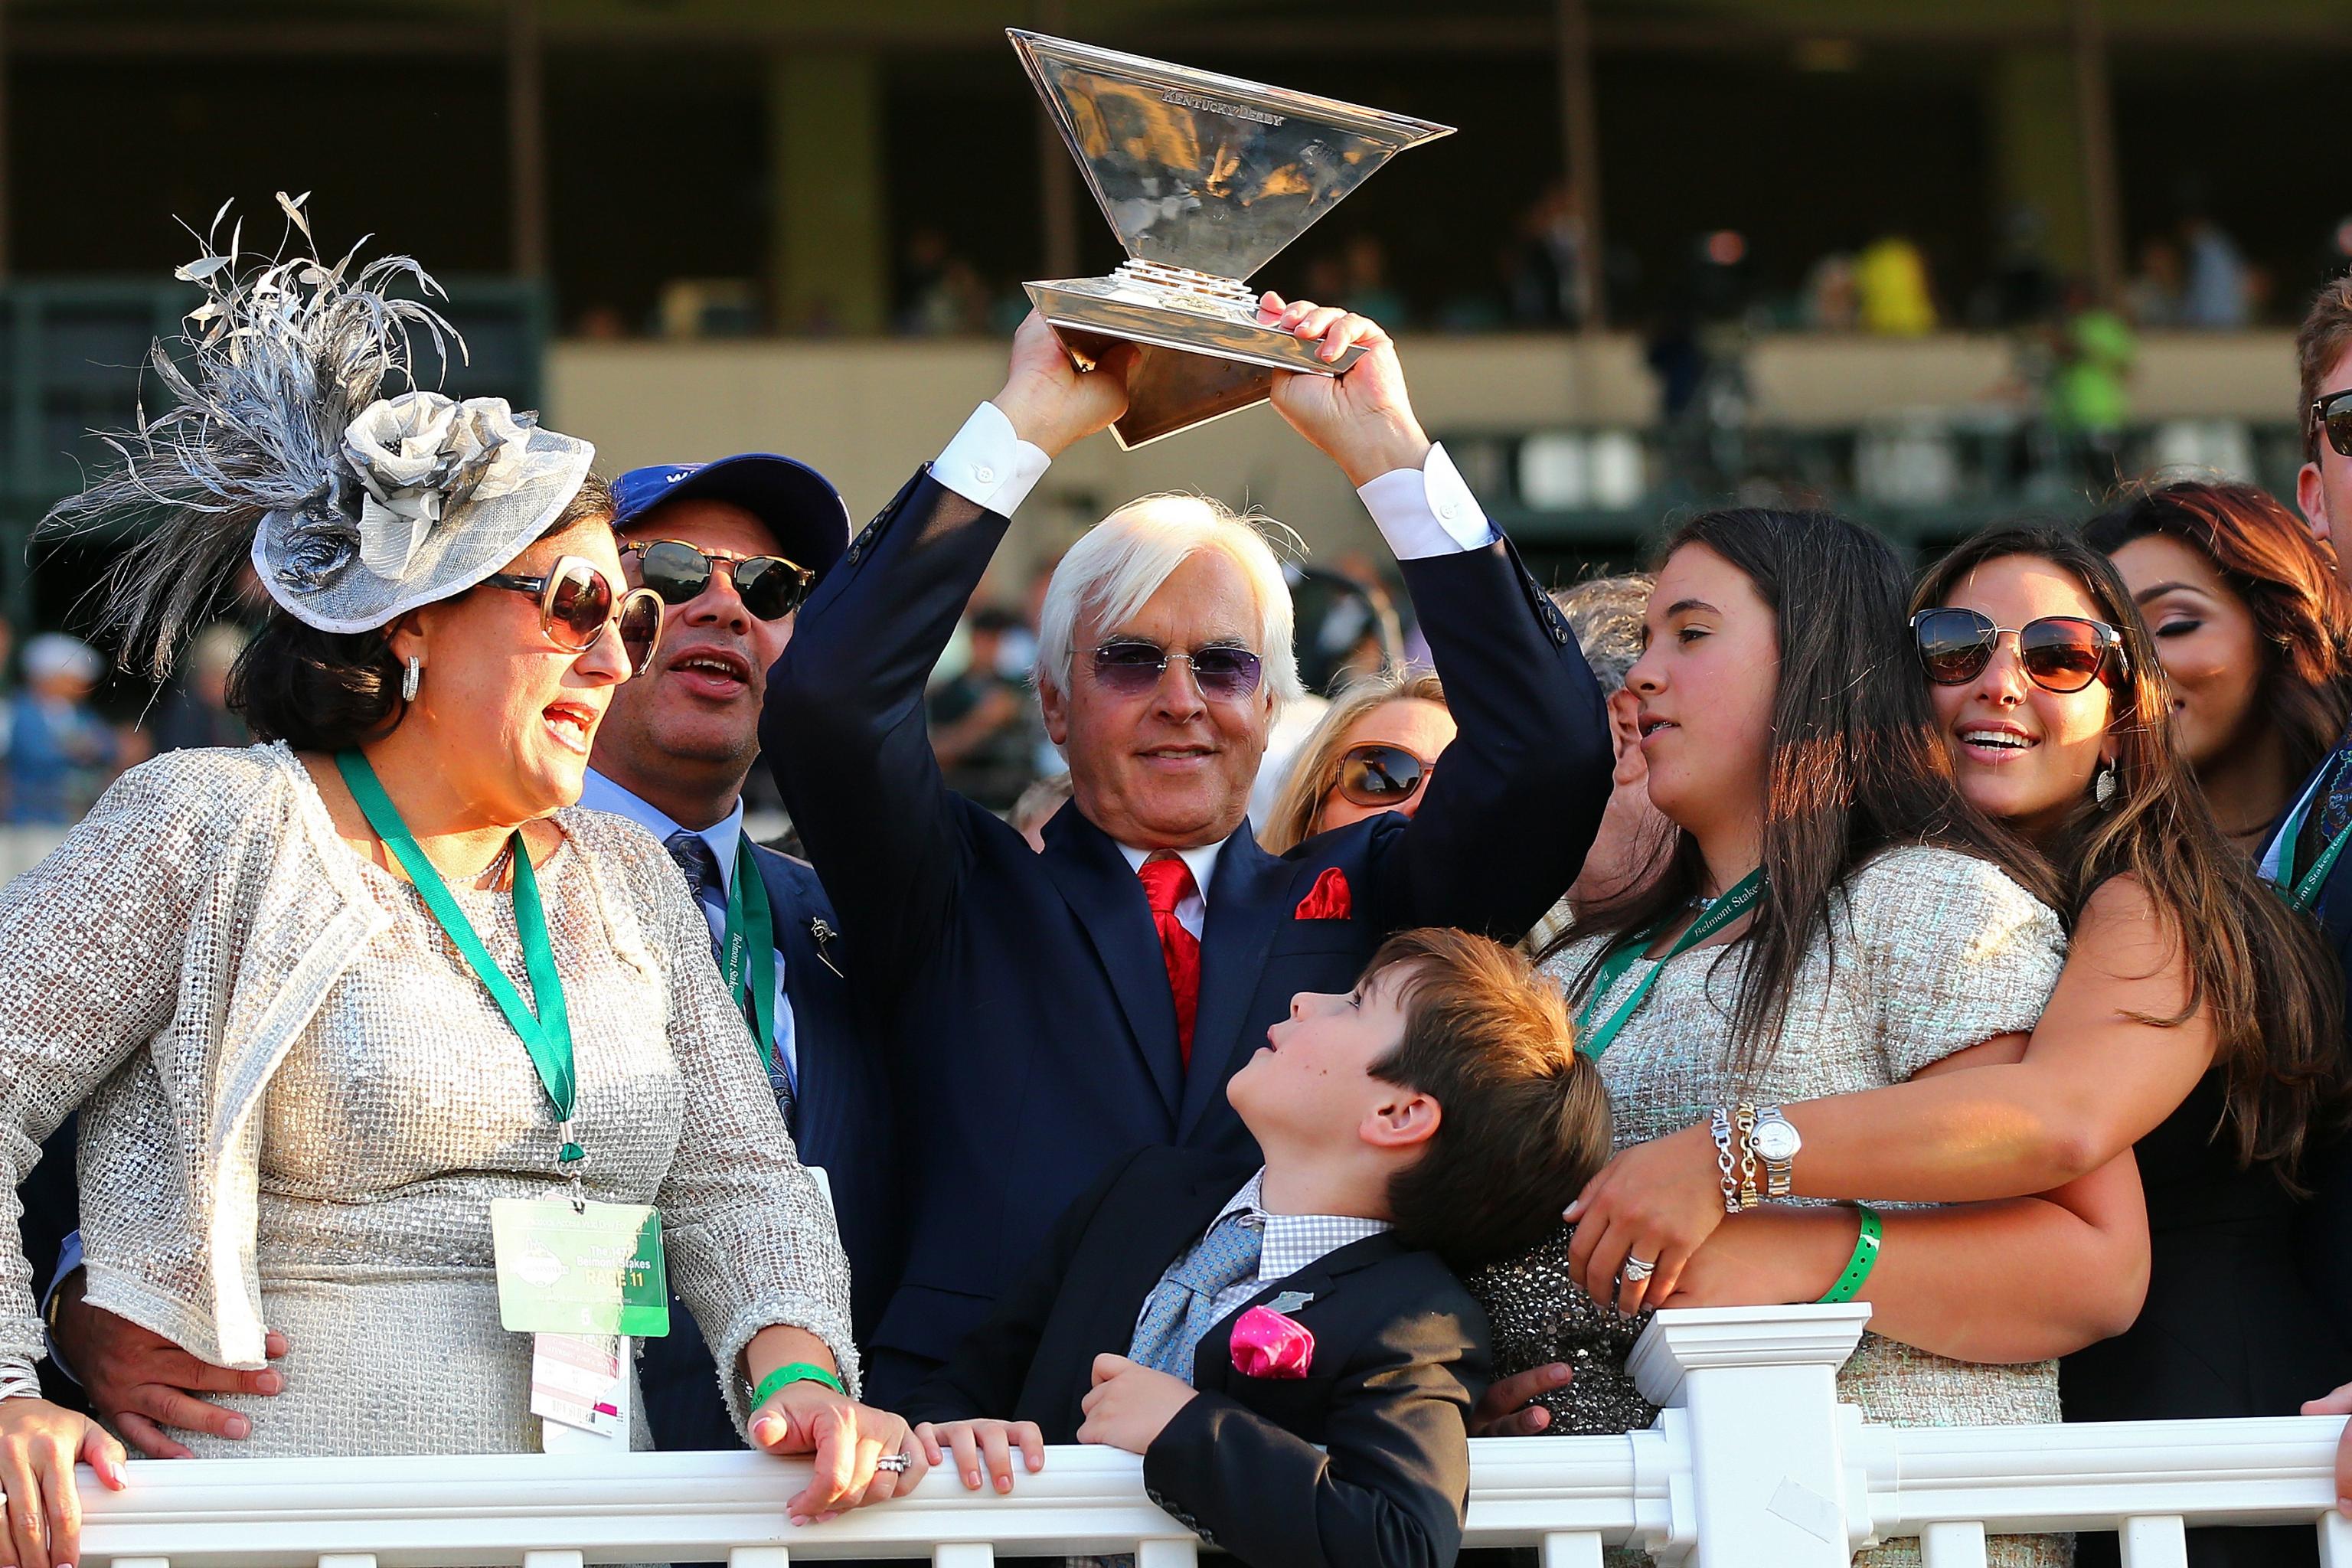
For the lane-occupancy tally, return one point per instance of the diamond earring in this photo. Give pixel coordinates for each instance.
(412, 679)
(2104, 790)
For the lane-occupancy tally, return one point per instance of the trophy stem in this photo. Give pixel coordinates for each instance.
(1181, 287)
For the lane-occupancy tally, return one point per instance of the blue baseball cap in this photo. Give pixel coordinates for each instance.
(799, 505)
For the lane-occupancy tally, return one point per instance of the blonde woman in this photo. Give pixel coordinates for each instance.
(1373, 751)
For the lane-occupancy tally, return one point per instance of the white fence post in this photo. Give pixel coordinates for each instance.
(1762, 1473)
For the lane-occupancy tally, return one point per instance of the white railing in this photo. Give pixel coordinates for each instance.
(1753, 1464)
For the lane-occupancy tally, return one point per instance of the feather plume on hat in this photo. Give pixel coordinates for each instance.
(280, 447)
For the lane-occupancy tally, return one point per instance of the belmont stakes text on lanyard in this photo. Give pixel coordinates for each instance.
(1592, 1040)
(581, 1277)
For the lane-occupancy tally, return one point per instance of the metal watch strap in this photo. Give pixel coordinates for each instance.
(1743, 1118)
(1719, 1123)
(1779, 1175)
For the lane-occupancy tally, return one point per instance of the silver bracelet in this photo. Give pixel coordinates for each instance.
(1719, 1123)
(17, 1381)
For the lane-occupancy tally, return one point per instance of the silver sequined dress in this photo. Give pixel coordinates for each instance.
(405, 1103)
(1934, 951)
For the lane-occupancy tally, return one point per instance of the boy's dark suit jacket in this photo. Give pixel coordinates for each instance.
(1400, 1356)
(1021, 999)
(842, 1123)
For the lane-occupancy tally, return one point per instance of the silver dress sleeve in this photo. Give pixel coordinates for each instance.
(92, 943)
(752, 1241)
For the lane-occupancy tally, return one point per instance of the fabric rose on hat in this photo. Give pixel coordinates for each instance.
(420, 456)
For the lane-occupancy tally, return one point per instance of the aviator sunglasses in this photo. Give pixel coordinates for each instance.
(576, 604)
(771, 587)
(2331, 417)
(1376, 773)
(1133, 666)
(2060, 653)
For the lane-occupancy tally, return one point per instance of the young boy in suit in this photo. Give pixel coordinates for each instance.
(1290, 1351)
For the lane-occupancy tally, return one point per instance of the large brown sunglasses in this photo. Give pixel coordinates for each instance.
(1378, 774)
(2060, 653)
(576, 604)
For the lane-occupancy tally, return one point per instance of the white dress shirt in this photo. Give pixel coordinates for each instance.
(725, 839)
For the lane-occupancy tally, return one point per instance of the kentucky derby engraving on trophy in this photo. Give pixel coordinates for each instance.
(1204, 178)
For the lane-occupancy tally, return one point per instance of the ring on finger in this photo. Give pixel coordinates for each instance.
(895, 1463)
(1638, 1268)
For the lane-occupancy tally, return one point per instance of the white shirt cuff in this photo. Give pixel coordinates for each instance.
(69, 1259)
(1427, 510)
(990, 466)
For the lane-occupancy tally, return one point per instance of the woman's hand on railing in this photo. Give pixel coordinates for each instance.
(847, 1440)
(1656, 1201)
(978, 1444)
(40, 1444)
(2338, 1404)
(1509, 1407)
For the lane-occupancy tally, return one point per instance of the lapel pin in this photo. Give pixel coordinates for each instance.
(1290, 1301)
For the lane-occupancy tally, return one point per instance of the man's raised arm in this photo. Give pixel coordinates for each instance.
(844, 728)
(1514, 804)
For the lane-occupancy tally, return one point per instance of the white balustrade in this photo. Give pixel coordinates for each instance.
(1753, 1463)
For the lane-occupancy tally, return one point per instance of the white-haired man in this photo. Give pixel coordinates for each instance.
(1047, 1013)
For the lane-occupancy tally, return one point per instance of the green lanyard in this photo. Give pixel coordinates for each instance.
(547, 1034)
(1593, 1040)
(748, 952)
(2302, 892)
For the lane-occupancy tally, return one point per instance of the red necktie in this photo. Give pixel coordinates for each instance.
(1166, 880)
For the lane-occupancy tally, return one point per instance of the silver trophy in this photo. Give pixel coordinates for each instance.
(1204, 178)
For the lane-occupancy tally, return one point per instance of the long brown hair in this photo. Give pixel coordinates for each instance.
(2286, 581)
(1854, 765)
(2259, 969)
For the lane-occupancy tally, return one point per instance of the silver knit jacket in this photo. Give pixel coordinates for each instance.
(162, 963)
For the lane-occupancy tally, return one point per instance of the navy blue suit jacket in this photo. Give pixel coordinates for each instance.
(842, 1123)
(2328, 1217)
(1021, 998)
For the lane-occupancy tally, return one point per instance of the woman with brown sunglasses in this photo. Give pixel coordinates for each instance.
(329, 1003)
(1375, 749)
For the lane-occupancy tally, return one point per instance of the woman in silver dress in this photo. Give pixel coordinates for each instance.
(1832, 916)
(323, 1001)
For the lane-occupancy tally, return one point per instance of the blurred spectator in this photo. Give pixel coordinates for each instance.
(2089, 393)
(941, 293)
(2218, 293)
(1891, 281)
(1367, 288)
(2153, 297)
(196, 713)
(1833, 303)
(983, 717)
(60, 753)
(1037, 806)
(1548, 279)
(2024, 288)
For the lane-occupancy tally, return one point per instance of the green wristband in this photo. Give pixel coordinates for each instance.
(798, 1372)
(1865, 1257)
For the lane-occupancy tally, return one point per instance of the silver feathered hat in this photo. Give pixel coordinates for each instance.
(279, 446)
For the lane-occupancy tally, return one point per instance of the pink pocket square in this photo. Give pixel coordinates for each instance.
(1327, 901)
(1267, 1344)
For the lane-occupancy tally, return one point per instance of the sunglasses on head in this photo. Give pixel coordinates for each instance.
(2331, 417)
(576, 604)
(771, 587)
(2060, 653)
(1133, 666)
(1376, 773)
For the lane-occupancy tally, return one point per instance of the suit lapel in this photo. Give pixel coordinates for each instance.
(1136, 1270)
(1245, 909)
(805, 981)
(1095, 880)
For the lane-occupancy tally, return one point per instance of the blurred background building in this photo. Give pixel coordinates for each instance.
(1930, 261)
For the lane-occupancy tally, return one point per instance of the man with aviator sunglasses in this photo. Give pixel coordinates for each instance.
(1047, 1012)
(731, 548)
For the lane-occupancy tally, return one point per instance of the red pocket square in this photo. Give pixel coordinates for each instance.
(1327, 901)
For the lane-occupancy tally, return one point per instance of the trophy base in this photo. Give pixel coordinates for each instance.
(1205, 354)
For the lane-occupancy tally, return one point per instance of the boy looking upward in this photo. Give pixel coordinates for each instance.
(1290, 1351)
